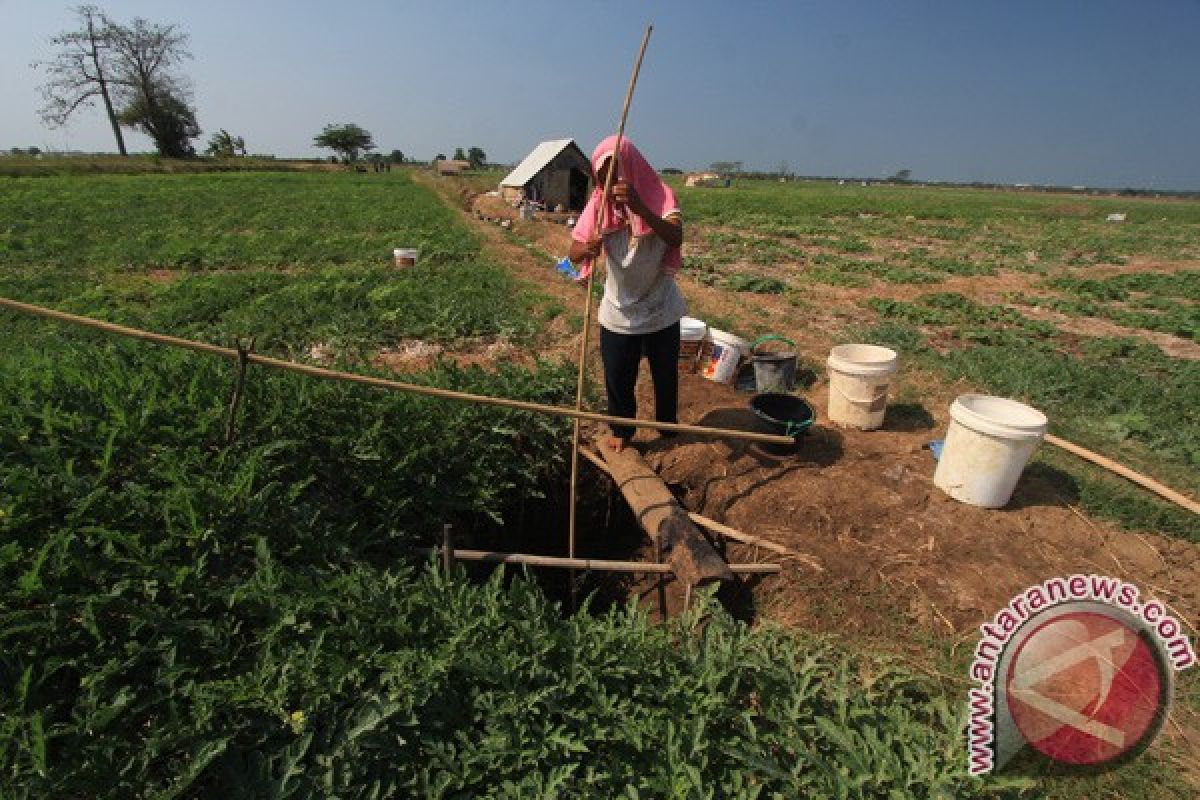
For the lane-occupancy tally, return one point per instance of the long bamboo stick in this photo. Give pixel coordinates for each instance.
(1125, 472)
(380, 383)
(593, 564)
(581, 375)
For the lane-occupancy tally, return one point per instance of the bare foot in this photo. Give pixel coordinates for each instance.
(616, 443)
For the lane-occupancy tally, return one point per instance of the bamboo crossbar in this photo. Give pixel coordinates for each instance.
(593, 564)
(381, 383)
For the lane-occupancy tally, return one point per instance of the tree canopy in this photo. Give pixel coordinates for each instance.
(158, 99)
(477, 157)
(348, 140)
(133, 70)
(223, 144)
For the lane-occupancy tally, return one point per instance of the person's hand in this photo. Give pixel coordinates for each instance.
(592, 247)
(624, 194)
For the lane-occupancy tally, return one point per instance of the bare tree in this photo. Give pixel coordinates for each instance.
(80, 72)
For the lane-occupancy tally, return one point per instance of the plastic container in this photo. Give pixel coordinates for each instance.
(774, 370)
(405, 256)
(989, 442)
(859, 377)
(691, 343)
(727, 352)
(783, 415)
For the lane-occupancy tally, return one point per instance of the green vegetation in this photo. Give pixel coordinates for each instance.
(187, 615)
(741, 282)
(1150, 301)
(966, 230)
(139, 164)
(223, 221)
(187, 618)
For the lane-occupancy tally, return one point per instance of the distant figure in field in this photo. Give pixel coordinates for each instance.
(641, 237)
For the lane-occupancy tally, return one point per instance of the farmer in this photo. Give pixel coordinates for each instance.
(640, 236)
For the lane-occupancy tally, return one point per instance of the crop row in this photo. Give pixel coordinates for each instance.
(224, 221)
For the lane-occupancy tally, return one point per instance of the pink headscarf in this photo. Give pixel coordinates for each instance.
(632, 168)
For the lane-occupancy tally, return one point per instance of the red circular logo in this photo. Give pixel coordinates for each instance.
(1085, 688)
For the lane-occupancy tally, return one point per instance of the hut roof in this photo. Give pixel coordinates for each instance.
(537, 159)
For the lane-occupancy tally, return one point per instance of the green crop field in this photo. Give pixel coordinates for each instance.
(189, 614)
(1111, 390)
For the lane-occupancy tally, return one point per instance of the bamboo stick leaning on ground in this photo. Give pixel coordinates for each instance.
(380, 383)
(1145, 482)
(587, 312)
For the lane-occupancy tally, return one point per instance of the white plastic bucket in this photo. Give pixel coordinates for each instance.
(859, 377)
(989, 442)
(727, 352)
(691, 343)
(405, 256)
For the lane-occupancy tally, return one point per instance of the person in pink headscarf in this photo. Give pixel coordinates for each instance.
(640, 237)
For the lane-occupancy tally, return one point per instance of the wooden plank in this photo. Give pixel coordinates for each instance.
(691, 556)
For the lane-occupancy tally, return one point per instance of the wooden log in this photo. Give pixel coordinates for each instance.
(691, 556)
(721, 528)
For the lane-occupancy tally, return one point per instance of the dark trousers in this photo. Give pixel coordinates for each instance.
(622, 354)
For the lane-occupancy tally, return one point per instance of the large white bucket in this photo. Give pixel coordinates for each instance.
(989, 442)
(691, 343)
(859, 377)
(726, 353)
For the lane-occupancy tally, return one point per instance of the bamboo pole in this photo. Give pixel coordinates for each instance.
(448, 550)
(581, 375)
(379, 383)
(592, 564)
(1125, 472)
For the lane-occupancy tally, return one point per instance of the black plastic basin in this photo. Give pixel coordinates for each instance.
(785, 414)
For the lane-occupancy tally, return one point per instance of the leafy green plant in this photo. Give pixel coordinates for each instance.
(741, 282)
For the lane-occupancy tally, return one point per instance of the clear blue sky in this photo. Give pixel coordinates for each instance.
(1096, 92)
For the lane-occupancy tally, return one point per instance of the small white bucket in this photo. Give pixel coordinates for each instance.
(859, 377)
(405, 256)
(726, 353)
(691, 343)
(989, 442)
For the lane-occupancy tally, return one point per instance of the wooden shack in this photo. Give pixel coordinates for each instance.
(450, 166)
(555, 173)
(702, 179)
